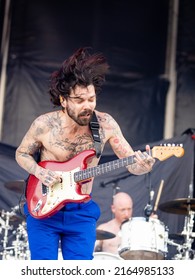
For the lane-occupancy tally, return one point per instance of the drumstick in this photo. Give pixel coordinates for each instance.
(158, 195)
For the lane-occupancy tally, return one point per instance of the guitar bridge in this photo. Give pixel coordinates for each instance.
(38, 206)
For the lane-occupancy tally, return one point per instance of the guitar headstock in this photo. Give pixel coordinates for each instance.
(165, 152)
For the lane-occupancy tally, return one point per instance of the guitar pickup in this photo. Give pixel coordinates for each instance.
(44, 190)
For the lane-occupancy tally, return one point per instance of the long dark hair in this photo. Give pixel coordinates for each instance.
(83, 69)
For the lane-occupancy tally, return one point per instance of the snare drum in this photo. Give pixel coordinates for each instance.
(105, 256)
(143, 240)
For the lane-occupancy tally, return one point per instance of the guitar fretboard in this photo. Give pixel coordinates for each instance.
(102, 168)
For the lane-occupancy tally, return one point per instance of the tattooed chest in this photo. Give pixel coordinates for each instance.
(63, 149)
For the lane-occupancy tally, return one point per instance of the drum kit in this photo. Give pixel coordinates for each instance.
(14, 241)
(141, 238)
(182, 206)
(17, 236)
(148, 239)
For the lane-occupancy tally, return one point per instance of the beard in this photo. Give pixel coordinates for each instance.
(82, 119)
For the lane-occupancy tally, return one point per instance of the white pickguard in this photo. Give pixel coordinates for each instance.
(62, 191)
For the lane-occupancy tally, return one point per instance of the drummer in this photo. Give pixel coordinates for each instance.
(122, 209)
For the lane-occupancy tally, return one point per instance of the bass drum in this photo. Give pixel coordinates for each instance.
(105, 256)
(143, 240)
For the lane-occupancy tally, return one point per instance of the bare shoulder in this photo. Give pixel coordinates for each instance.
(106, 119)
(111, 132)
(44, 118)
(109, 125)
(45, 121)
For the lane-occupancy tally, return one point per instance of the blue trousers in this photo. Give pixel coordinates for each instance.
(73, 227)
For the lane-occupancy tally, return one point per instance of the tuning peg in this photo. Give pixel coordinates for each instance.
(180, 145)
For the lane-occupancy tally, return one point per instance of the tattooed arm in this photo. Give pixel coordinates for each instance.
(143, 161)
(30, 144)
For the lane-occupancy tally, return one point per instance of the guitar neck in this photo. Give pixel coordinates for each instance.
(159, 152)
(102, 168)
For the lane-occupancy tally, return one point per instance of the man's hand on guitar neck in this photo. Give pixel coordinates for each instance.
(143, 162)
(47, 177)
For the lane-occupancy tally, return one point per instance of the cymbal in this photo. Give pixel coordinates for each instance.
(17, 186)
(102, 234)
(178, 206)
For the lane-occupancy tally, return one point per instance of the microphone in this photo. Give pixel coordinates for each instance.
(151, 195)
(148, 210)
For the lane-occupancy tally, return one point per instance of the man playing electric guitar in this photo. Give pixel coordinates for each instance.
(66, 145)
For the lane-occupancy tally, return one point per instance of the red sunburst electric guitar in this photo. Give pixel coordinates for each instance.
(44, 201)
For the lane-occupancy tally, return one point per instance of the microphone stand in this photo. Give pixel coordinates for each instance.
(149, 207)
(114, 183)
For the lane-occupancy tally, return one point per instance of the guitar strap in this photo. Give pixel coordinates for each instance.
(94, 126)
